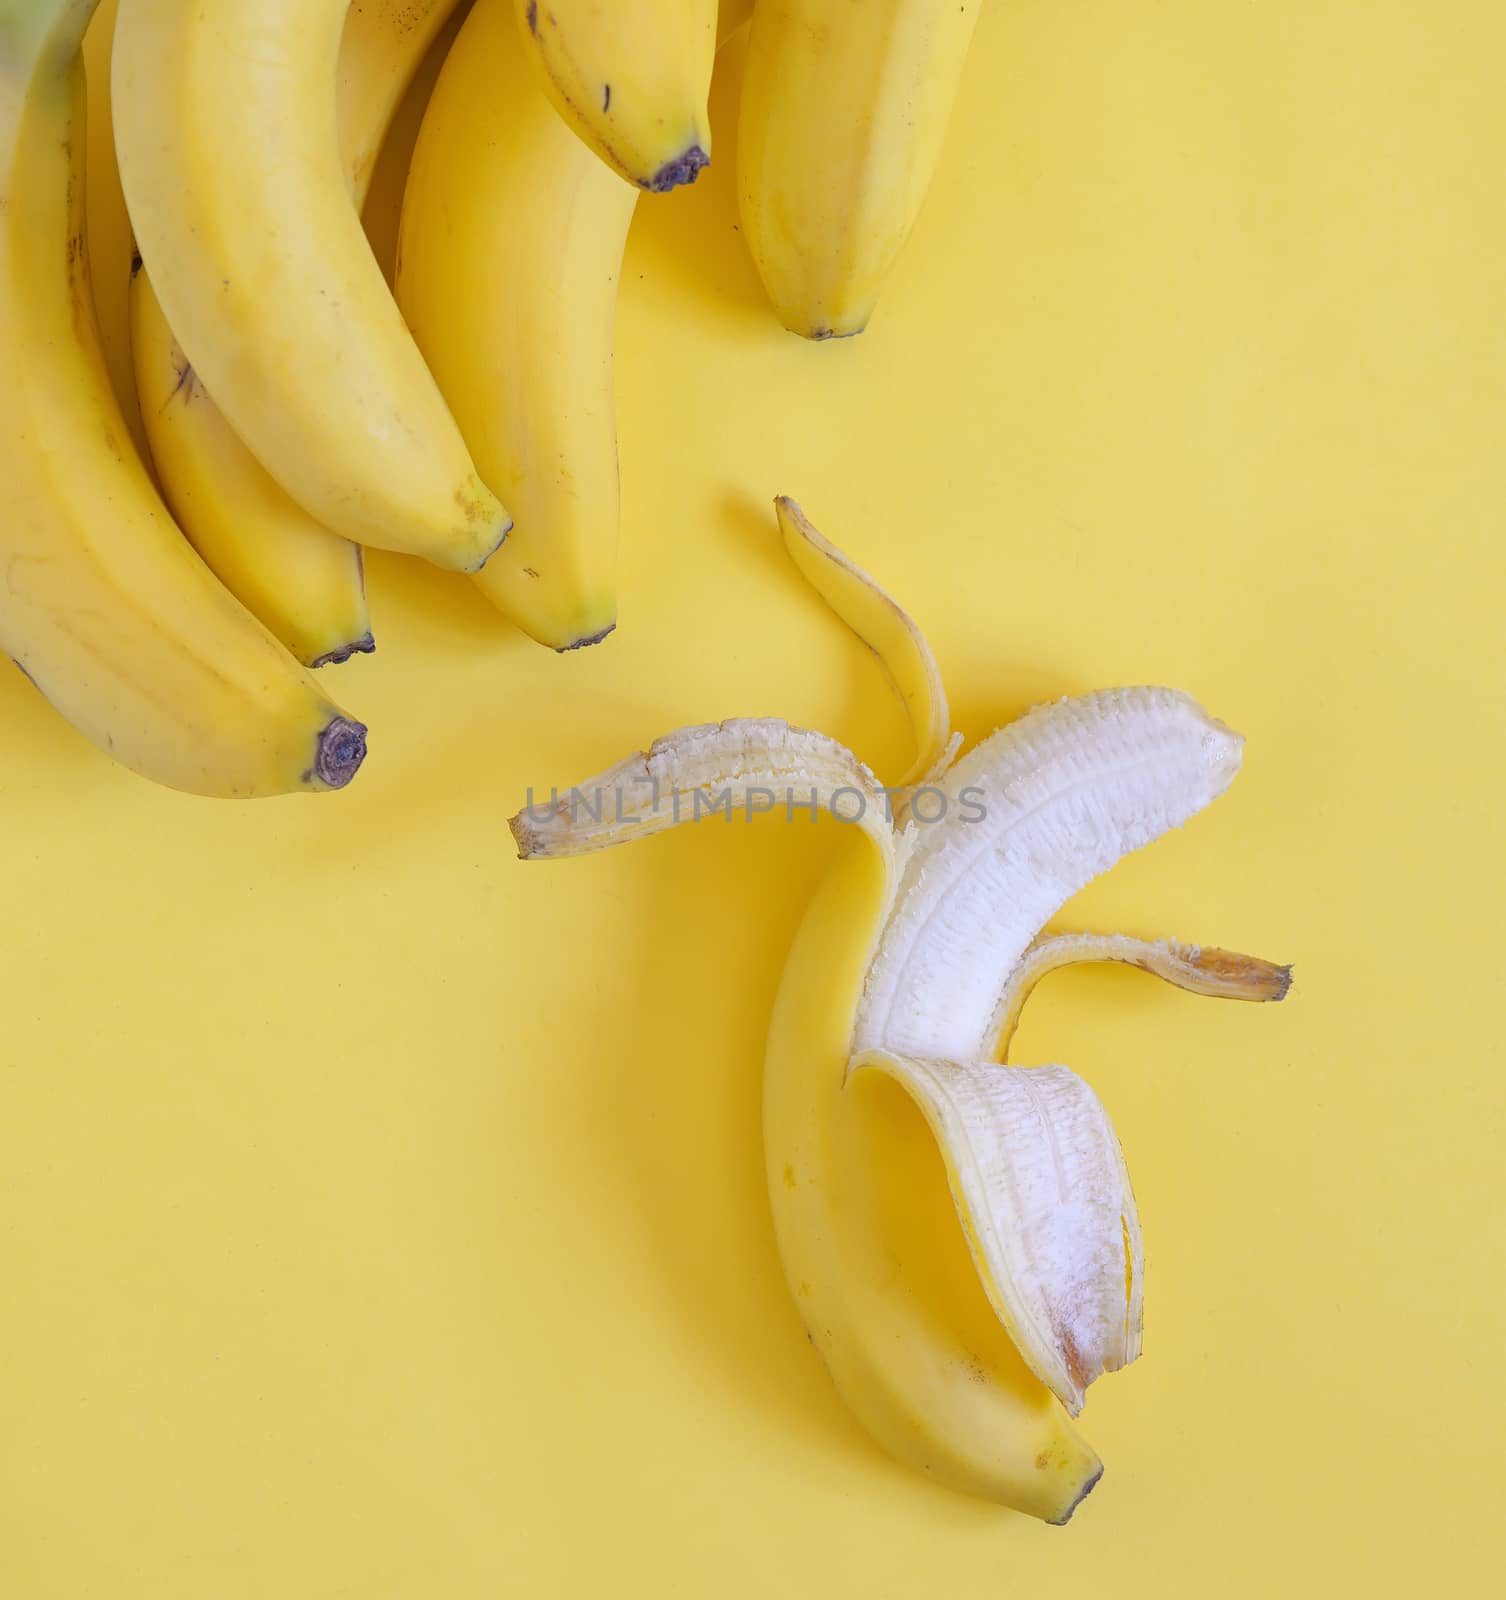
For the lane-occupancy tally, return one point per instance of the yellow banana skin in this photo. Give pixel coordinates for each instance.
(227, 130)
(306, 584)
(630, 77)
(508, 260)
(102, 603)
(862, 1208)
(508, 264)
(868, 1234)
(844, 113)
(960, 1236)
(384, 44)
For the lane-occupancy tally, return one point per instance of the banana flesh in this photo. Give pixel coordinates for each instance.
(844, 113)
(227, 128)
(1032, 815)
(630, 78)
(102, 603)
(960, 1236)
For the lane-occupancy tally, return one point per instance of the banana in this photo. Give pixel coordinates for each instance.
(382, 47)
(509, 256)
(959, 1235)
(631, 78)
(227, 128)
(305, 583)
(102, 603)
(844, 112)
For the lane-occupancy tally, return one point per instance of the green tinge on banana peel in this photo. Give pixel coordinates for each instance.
(960, 1236)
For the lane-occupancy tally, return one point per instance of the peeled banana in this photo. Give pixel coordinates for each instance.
(226, 125)
(631, 78)
(306, 584)
(102, 603)
(844, 113)
(959, 1235)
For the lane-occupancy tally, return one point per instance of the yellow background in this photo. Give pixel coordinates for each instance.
(382, 1217)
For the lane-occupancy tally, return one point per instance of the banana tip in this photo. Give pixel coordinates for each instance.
(364, 646)
(819, 334)
(506, 528)
(588, 641)
(1083, 1493)
(525, 835)
(683, 169)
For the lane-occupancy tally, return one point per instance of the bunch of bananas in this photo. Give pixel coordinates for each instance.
(296, 409)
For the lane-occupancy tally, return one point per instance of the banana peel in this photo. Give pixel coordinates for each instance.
(959, 1234)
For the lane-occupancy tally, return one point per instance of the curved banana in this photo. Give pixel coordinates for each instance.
(112, 245)
(227, 129)
(844, 112)
(102, 603)
(508, 259)
(306, 584)
(508, 263)
(382, 47)
(631, 78)
(960, 1236)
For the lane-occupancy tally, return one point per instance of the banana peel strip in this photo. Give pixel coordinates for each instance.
(1199, 969)
(887, 629)
(746, 765)
(1044, 1199)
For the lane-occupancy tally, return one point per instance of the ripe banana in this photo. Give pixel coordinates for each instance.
(306, 584)
(631, 78)
(844, 113)
(959, 1235)
(102, 603)
(382, 47)
(508, 262)
(226, 125)
(508, 259)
